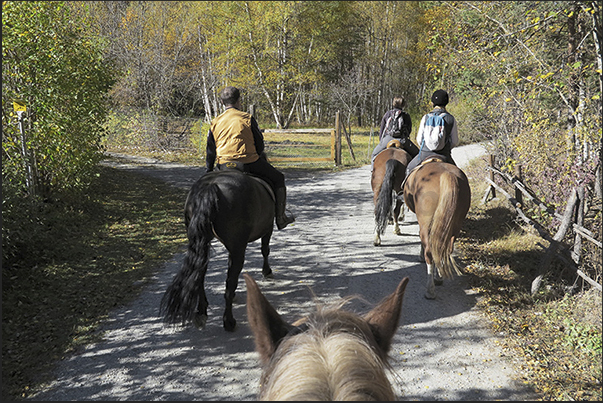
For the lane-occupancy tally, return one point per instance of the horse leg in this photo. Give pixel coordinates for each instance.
(266, 270)
(430, 286)
(426, 254)
(397, 209)
(236, 258)
(437, 278)
(422, 253)
(200, 317)
(402, 207)
(377, 240)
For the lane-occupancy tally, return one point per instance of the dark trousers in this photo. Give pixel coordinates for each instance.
(262, 168)
(407, 145)
(426, 154)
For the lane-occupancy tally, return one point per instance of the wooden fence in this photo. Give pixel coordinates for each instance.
(572, 218)
(307, 140)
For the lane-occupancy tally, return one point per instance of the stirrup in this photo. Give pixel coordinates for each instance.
(284, 220)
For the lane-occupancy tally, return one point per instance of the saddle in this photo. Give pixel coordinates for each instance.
(394, 143)
(236, 165)
(434, 158)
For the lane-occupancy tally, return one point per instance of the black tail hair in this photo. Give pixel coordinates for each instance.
(383, 208)
(181, 299)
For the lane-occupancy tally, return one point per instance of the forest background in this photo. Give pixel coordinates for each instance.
(523, 75)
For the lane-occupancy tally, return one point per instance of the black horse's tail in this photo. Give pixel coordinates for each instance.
(180, 302)
(383, 207)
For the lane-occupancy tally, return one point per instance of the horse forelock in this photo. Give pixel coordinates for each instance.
(336, 358)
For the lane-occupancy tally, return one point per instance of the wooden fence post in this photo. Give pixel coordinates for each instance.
(518, 176)
(333, 151)
(581, 204)
(337, 140)
(491, 189)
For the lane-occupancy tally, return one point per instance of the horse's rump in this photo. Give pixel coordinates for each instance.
(440, 196)
(244, 205)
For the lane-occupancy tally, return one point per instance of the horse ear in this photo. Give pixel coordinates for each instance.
(266, 324)
(383, 319)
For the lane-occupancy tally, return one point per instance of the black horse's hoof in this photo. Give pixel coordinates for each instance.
(199, 321)
(230, 324)
(269, 276)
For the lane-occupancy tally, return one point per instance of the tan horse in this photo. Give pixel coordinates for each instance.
(332, 354)
(389, 171)
(439, 194)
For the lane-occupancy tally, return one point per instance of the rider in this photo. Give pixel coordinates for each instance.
(235, 137)
(398, 104)
(439, 99)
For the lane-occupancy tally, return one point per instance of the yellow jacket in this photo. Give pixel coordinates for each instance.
(233, 137)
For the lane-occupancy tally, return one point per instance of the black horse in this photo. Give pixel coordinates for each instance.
(236, 208)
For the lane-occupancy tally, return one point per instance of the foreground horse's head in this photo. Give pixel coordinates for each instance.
(331, 354)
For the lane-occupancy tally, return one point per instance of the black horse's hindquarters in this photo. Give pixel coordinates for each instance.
(236, 209)
(244, 206)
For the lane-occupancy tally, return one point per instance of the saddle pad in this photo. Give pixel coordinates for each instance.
(430, 159)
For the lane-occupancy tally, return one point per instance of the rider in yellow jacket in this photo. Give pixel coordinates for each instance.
(235, 138)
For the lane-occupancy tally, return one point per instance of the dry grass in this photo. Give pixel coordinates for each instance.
(558, 333)
(88, 256)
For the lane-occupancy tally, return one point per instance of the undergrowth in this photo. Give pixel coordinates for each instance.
(83, 258)
(556, 332)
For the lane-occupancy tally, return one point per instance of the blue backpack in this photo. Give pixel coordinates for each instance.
(434, 133)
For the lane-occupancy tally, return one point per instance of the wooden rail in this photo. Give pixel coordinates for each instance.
(575, 203)
(335, 142)
(319, 132)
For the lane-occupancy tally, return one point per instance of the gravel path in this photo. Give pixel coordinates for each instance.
(443, 349)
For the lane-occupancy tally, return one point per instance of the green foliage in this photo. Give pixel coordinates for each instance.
(536, 100)
(583, 337)
(59, 73)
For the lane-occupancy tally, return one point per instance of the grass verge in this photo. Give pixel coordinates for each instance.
(557, 333)
(90, 256)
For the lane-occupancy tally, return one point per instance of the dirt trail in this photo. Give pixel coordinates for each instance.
(443, 349)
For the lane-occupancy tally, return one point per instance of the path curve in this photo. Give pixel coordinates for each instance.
(443, 349)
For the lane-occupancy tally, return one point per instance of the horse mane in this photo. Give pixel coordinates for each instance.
(336, 358)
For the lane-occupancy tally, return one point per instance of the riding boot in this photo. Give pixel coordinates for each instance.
(282, 220)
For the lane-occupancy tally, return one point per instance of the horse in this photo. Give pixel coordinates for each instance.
(389, 171)
(236, 208)
(331, 354)
(439, 194)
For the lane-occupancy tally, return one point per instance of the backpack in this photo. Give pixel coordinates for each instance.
(434, 133)
(395, 126)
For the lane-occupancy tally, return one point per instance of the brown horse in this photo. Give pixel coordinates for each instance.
(389, 171)
(439, 194)
(332, 354)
